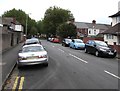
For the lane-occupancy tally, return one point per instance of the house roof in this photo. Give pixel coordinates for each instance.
(80, 25)
(115, 15)
(9, 20)
(115, 30)
(90, 25)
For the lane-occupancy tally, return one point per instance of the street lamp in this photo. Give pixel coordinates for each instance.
(26, 23)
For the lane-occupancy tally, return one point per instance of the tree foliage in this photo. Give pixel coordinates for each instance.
(53, 17)
(67, 30)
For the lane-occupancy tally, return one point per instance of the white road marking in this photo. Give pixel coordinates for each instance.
(78, 58)
(61, 50)
(2, 63)
(53, 46)
(112, 74)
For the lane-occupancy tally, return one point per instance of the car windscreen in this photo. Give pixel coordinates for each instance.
(101, 43)
(78, 41)
(32, 41)
(32, 49)
(68, 40)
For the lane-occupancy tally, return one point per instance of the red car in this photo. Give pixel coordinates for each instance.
(56, 40)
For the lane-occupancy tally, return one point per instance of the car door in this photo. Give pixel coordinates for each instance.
(72, 43)
(90, 46)
(93, 47)
(87, 45)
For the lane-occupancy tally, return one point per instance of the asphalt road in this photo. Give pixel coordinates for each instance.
(70, 69)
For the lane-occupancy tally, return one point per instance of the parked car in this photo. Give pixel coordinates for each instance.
(77, 44)
(31, 55)
(32, 41)
(66, 42)
(56, 40)
(99, 48)
(48, 39)
(51, 39)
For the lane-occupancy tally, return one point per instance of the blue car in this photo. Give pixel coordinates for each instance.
(77, 44)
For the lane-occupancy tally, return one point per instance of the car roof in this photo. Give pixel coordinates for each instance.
(32, 39)
(32, 45)
(76, 39)
(67, 39)
(96, 40)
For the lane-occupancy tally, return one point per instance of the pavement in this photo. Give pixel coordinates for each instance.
(8, 62)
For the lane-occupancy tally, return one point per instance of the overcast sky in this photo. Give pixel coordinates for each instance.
(82, 10)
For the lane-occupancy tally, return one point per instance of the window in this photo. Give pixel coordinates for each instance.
(89, 32)
(94, 31)
(119, 19)
(109, 36)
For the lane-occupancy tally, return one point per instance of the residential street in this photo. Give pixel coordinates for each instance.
(69, 69)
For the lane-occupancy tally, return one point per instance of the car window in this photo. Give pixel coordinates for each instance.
(68, 40)
(78, 41)
(32, 41)
(33, 49)
(90, 42)
(101, 43)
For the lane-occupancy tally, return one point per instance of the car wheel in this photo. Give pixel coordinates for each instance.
(18, 66)
(74, 47)
(86, 50)
(97, 54)
(46, 64)
(113, 56)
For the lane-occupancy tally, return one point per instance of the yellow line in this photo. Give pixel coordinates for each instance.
(21, 83)
(15, 84)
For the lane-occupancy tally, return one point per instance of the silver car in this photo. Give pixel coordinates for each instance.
(32, 54)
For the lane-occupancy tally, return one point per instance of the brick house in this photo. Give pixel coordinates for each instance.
(90, 29)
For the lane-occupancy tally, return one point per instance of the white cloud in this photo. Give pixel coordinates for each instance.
(83, 10)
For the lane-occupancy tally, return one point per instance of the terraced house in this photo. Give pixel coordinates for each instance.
(112, 35)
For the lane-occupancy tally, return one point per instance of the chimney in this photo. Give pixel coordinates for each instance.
(94, 22)
(119, 6)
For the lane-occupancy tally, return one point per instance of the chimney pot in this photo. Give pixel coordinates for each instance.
(94, 22)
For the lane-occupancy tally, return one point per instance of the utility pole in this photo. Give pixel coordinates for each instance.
(26, 23)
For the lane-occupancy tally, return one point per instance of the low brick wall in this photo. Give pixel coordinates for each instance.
(116, 47)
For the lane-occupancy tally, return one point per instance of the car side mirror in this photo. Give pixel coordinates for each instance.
(94, 45)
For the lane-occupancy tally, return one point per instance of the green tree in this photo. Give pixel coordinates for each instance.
(67, 30)
(33, 31)
(40, 27)
(53, 17)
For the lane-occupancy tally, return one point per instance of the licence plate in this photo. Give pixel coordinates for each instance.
(31, 57)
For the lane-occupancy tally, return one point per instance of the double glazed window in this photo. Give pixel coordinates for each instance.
(109, 36)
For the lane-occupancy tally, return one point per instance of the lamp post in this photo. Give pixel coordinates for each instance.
(26, 23)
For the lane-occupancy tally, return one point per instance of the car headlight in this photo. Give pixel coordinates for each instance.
(102, 50)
